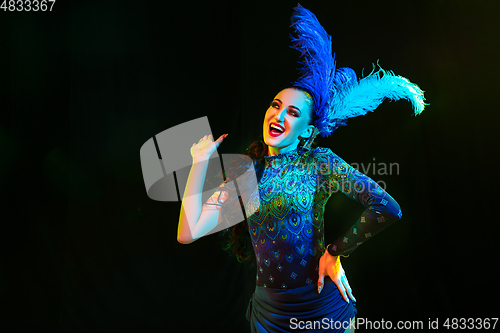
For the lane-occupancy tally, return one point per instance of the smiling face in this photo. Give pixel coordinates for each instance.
(286, 120)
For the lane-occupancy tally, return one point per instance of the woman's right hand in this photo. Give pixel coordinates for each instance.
(202, 150)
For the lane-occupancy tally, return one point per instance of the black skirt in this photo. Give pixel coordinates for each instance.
(300, 309)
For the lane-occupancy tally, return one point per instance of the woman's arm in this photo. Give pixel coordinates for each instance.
(381, 209)
(195, 219)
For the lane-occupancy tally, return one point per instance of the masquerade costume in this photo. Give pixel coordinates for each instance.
(288, 237)
(287, 228)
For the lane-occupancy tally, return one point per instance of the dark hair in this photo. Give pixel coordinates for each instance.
(237, 238)
(312, 114)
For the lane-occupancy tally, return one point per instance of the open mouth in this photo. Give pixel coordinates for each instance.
(276, 130)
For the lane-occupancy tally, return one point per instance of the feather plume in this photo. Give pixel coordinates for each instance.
(353, 98)
(318, 64)
(337, 94)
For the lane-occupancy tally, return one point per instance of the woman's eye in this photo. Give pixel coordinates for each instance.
(275, 105)
(293, 113)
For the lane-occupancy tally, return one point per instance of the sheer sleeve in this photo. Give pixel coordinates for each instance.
(381, 209)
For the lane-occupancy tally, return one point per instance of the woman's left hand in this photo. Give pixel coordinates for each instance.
(331, 266)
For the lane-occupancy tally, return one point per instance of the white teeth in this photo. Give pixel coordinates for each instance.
(276, 128)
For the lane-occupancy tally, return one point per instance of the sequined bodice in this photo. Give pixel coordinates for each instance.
(287, 229)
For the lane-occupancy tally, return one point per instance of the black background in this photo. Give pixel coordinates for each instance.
(83, 87)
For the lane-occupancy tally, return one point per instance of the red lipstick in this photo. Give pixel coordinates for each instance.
(276, 130)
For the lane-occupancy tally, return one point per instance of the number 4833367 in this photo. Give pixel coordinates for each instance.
(27, 5)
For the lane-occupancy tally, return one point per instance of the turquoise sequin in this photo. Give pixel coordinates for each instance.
(287, 228)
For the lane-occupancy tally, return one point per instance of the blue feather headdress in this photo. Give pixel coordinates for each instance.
(337, 93)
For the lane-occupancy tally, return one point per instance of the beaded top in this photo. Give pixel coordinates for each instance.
(287, 227)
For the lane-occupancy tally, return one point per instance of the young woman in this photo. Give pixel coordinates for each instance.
(300, 282)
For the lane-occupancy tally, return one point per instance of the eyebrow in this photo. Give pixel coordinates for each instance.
(291, 106)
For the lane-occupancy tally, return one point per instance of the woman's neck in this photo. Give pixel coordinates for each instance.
(271, 151)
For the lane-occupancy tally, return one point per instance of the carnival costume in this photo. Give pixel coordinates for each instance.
(287, 228)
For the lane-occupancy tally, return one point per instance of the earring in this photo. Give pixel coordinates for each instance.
(309, 142)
